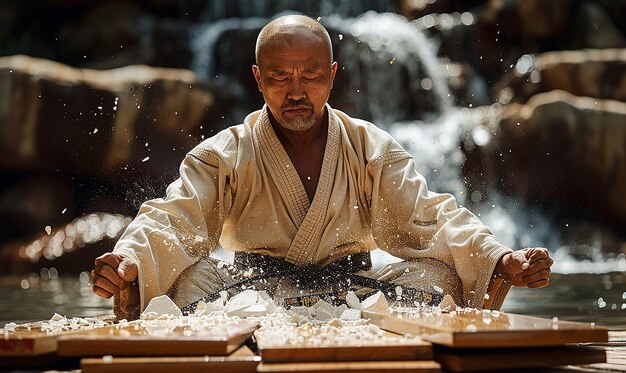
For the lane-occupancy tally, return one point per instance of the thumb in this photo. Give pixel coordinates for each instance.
(127, 270)
(518, 263)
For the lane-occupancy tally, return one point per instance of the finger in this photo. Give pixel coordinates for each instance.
(108, 258)
(538, 253)
(105, 284)
(102, 293)
(127, 270)
(537, 276)
(111, 275)
(539, 284)
(538, 265)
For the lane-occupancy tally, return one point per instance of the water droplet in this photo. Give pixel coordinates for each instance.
(145, 159)
(48, 229)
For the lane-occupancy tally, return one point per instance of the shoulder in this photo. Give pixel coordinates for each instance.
(224, 146)
(373, 142)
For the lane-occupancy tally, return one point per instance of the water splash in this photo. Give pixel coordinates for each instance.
(393, 44)
(388, 68)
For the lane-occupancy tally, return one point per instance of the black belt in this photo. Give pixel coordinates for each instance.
(340, 272)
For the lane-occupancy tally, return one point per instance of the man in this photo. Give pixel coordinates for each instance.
(303, 184)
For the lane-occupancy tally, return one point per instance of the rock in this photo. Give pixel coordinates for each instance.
(61, 118)
(162, 305)
(563, 151)
(588, 72)
(502, 31)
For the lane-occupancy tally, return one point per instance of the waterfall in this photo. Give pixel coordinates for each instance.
(389, 74)
(388, 69)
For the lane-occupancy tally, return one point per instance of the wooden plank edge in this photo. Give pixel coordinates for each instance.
(239, 364)
(421, 366)
(348, 353)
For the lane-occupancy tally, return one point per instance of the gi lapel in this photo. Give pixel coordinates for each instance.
(281, 169)
(306, 242)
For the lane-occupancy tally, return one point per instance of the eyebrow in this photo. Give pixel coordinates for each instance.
(284, 72)
(278, 71)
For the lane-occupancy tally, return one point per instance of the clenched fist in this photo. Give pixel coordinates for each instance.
(525, 268)
(112, 273)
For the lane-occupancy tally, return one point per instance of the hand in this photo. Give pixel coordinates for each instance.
(112, 273)
(528, 267)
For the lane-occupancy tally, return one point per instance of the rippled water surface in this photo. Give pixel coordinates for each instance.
(598, 298)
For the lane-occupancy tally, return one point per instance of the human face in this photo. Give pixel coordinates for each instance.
(295, 79)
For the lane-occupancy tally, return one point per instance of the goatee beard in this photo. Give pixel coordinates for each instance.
(300, 123)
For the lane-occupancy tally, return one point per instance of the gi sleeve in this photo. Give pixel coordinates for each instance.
(170, 234)
(411, 222)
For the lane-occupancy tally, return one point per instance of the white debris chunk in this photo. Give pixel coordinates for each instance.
(162, 305)
(200, 308)
(350, 315)
(376, 302)
(447, 304)
(339, 310)
(264, 296)
(353, 301)
(241, 301)
(57, 317)
(255, 310)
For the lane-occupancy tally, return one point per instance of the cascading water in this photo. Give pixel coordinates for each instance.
(389, 74)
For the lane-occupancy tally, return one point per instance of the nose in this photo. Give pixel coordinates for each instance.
(296, 90)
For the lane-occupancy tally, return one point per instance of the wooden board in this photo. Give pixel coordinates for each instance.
(31, 339)
(138, 338)
(486, 329)
(416, 349)
(351, 353)
(27, 343)
(241, 361)
(468, 360)
(425, 366)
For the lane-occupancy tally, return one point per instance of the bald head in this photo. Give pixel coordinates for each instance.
(285, 30)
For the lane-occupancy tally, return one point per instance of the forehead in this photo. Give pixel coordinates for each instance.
(289, 58)
(295, 47)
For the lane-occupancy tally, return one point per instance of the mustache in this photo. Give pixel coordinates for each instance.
(297, 106)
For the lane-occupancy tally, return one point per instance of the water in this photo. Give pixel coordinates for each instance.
(598, 298)
(26, 299)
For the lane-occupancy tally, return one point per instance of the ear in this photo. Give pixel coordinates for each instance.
(257, 76)
(333, 71)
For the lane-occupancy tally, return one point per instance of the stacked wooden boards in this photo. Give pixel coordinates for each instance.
(178, 343)
(191, 344)
(342, 347)
(243, 360)
(34, 345)
(157, 338)
(469, 340)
